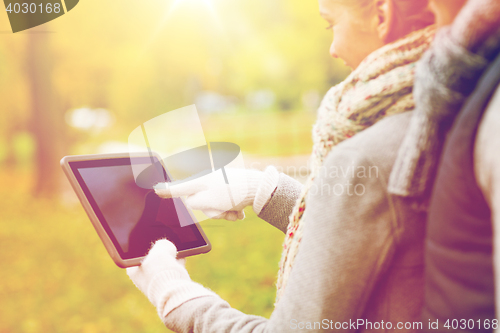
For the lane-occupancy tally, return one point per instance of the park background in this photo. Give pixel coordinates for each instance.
(256, 70)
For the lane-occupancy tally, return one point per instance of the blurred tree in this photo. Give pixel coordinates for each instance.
(46, 122)
(140, 59)
(14, 103)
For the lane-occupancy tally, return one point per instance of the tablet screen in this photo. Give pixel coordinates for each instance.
(134, 217)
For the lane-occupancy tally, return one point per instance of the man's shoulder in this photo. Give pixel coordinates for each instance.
(488, 135)
(486, 157)
(491, 118)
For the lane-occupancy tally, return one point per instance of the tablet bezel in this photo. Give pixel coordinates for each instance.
(103, 235)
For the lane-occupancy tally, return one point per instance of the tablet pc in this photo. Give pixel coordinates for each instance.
(129, 218)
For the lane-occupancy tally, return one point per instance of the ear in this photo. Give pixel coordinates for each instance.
(385, 19)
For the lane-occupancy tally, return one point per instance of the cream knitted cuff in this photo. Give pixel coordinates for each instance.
(266, 187)
(253, 179)
(169, 290)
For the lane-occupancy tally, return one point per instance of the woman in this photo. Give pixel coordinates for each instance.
(360, 259)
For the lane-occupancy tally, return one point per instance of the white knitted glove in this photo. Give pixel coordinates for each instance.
(215, 198)
(164, 279)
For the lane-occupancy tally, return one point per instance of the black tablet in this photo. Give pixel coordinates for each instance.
(125, 211)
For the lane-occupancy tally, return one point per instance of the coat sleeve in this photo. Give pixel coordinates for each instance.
(278, 209)
(347, 242)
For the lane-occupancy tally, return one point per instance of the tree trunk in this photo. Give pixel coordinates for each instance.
(46, 120)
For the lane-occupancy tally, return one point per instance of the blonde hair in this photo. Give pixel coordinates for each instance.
(409, 15)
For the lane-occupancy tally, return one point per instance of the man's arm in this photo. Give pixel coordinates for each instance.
(487, 170)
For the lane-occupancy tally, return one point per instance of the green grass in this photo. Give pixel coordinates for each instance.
(58, 277)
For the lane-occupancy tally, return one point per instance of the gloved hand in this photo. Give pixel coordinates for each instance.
(164, 279)
(211, 194)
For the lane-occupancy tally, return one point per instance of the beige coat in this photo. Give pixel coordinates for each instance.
(361, 257)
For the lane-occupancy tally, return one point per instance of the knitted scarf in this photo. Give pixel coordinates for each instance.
(444, 78)
(379, 87)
